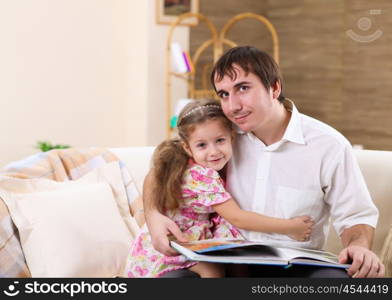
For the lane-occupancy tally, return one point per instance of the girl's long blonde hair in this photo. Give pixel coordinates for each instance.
(170, 159)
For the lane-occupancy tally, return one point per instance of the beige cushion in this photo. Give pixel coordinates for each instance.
(70, 229)
(111, 173)
(137, 161)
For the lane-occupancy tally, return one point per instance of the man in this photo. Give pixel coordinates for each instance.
(285, 164)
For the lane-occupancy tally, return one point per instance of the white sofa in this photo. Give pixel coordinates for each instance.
(375, 165)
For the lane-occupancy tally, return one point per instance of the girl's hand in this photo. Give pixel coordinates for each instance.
(160, 227)
(301, 228)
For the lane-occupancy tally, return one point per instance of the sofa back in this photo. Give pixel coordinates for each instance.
(376, 167)
(137, 159)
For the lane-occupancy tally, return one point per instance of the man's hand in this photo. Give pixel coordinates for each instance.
(160, 227)
(365, 263)
(357, 241)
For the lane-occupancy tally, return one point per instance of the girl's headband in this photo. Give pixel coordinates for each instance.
(200, 108)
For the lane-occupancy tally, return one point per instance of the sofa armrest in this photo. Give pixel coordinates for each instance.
(386, 254)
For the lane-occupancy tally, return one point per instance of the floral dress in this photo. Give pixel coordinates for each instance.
(195, 216)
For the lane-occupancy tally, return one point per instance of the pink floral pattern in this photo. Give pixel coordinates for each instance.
(202, 188)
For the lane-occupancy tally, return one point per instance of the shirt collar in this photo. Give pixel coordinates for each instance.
(293, 131)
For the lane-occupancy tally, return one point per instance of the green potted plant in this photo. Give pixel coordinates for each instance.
(46, 146)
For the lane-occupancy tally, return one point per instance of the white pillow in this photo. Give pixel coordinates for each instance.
(70, 229)
(111, 173)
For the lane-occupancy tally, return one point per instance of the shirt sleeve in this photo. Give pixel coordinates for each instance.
(348, 195)
(207, 186)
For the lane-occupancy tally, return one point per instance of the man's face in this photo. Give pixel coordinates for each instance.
(245, 100)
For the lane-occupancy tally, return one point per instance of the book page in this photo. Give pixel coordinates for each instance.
(251, 252)
(292, 253)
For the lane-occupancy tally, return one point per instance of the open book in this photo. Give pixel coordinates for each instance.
(247, 252)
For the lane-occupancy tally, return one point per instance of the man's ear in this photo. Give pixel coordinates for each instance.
(276, 89)
(186, 148)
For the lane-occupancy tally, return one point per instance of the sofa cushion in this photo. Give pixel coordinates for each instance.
(137, 161)
(59, 165)
(73, 228)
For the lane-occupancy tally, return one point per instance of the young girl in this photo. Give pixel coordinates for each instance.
(189, 190)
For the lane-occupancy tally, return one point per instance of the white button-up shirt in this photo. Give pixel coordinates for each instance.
(310, 171)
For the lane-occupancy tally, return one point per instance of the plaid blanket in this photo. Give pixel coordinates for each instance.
(59, 165)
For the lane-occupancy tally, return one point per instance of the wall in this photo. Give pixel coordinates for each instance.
(84, 73)
(63, 77)
(156, 128)
(329, 75)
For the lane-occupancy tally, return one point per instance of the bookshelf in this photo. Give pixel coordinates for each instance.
(217, 41)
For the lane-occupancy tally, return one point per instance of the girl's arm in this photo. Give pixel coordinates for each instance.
(252, 221)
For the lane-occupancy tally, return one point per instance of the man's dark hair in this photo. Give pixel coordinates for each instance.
(250, 59)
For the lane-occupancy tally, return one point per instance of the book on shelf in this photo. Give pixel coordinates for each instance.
(248, 252)
(180, 64)
(188, 61)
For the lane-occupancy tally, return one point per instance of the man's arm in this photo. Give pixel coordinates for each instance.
(351, 203)
(357, 241)
(158, 224)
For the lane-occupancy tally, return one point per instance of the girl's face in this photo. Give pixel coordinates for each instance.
(210, 144)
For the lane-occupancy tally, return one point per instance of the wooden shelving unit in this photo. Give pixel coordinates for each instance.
(217, 41)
